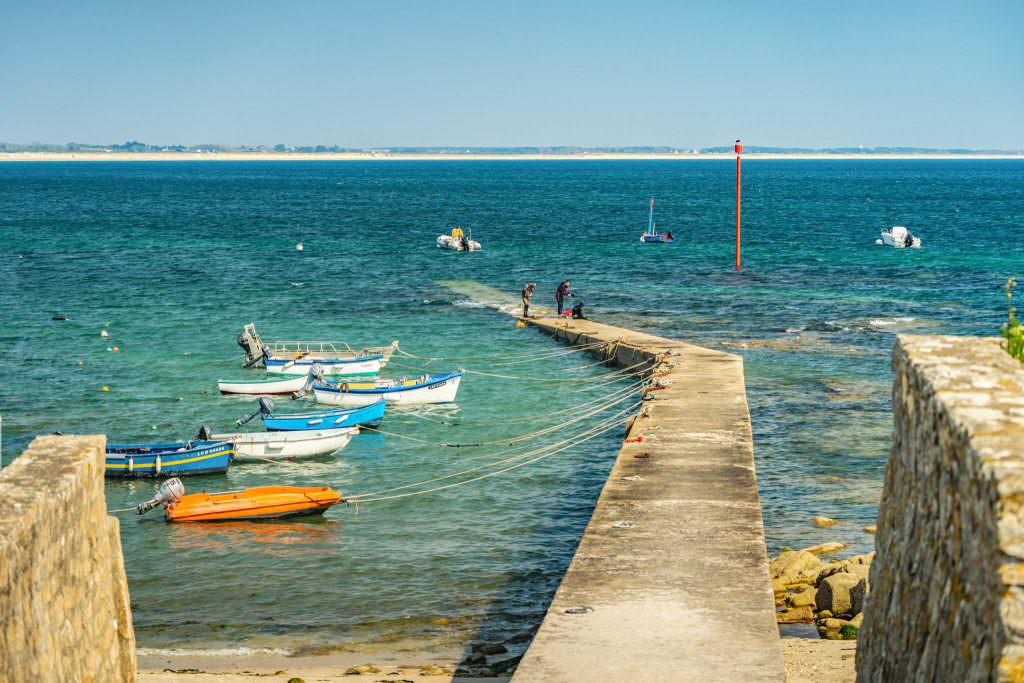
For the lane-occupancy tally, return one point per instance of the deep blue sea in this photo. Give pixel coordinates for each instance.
(173, 258)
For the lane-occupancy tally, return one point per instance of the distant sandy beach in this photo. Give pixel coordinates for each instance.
(381, 156)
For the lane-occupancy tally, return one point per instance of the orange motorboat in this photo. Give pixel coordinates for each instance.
(261, 502)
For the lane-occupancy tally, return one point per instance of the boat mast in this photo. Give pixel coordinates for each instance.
(650, 219)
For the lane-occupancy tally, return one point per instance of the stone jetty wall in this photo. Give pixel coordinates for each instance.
(64, 608)
(670, 578)
(947, 585)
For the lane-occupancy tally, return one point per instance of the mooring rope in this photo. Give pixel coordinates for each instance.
(602, 428)
(516, 359)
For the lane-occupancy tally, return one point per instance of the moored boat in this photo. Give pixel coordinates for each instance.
(256, 350)
(258, 446)
(355, 416)
(900, 238)
(406, 390)
(180, 458)
(261, 502)
(262, 387)
(337, 367)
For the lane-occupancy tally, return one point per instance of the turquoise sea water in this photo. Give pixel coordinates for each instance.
(176, 257)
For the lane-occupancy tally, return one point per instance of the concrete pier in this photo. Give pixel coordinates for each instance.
(670, 578)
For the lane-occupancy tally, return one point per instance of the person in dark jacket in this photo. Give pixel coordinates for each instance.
(527, 295)
(561, 293)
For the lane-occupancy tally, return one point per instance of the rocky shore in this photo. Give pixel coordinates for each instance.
(829, 594)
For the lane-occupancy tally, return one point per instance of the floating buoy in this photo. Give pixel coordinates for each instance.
(81, 362)
(106, 324)
(117, 348)
(103, 333)
(106, 388)
(520, 324)
(298, 247)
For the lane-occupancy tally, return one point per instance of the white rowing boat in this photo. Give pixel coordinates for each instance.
(287, 384)
(406, 390)
(337, 367)
(255, 446)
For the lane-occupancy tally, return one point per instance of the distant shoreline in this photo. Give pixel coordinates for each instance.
(374, 156)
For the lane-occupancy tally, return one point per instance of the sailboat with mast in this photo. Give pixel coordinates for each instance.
(651, 235)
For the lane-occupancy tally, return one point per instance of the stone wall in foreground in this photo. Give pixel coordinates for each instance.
(64, 609)
(947, 600)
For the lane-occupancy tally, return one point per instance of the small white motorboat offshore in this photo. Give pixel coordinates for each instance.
(255, 446)
(458, 241)
(286, 384)
(257, 350)
(336, 367)
(900, 238)
(405, 390)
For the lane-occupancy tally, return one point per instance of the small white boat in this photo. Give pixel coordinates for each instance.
(406, 390)
(256, 350)
(337, 367)
(899, 237)
(288, 384)
(255, 446)
(458, 241)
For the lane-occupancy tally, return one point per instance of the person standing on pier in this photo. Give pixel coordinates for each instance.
(527, 295)
(561, 293)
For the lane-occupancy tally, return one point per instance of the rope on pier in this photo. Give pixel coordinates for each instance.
(526, 459)
(509, 441)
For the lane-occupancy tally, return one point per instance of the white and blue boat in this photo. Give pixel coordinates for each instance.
(651, 234)
(356, 416)
(406, 390)
(180, 458)
(360, 366)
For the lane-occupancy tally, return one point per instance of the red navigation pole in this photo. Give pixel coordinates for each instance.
(739, 150)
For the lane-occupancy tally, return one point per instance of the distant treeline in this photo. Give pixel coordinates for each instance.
(136, 146)
(853, 150)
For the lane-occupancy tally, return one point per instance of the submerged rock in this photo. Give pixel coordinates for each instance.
(490, 648)
(823, 521)
(871, 528)
(796, 615)
(825, 548)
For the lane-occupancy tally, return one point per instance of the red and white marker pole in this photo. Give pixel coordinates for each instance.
(739, 150)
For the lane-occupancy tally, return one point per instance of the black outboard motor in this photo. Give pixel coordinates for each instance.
(266, 408)
(577, 310)
(316, 374)
(205, 434)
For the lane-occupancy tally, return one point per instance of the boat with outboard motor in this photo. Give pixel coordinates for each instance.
(256, 503)
(257, 350)
(293, 445)
(355, 416)
(132, 461)
(458, 241)
(900, 238)
(336, 367)
(651, 234)
(406, 390)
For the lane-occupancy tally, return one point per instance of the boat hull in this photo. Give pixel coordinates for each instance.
(262, 502)
(648, 238)
(260, 446)
(267, 387)
(332, 367)
(355, 416)
(135, 461)
(447, 242)
(441, 389)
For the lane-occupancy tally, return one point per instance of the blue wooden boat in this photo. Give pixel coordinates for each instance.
(168, 459)
(365, 416)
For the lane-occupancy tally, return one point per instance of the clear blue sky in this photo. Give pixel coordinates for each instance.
(490, 73)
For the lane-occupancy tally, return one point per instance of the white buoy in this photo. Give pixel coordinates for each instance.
(879, 242)
(103, 333)
(298, 247)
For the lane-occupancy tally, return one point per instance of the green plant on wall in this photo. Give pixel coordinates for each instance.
(1013, 330)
